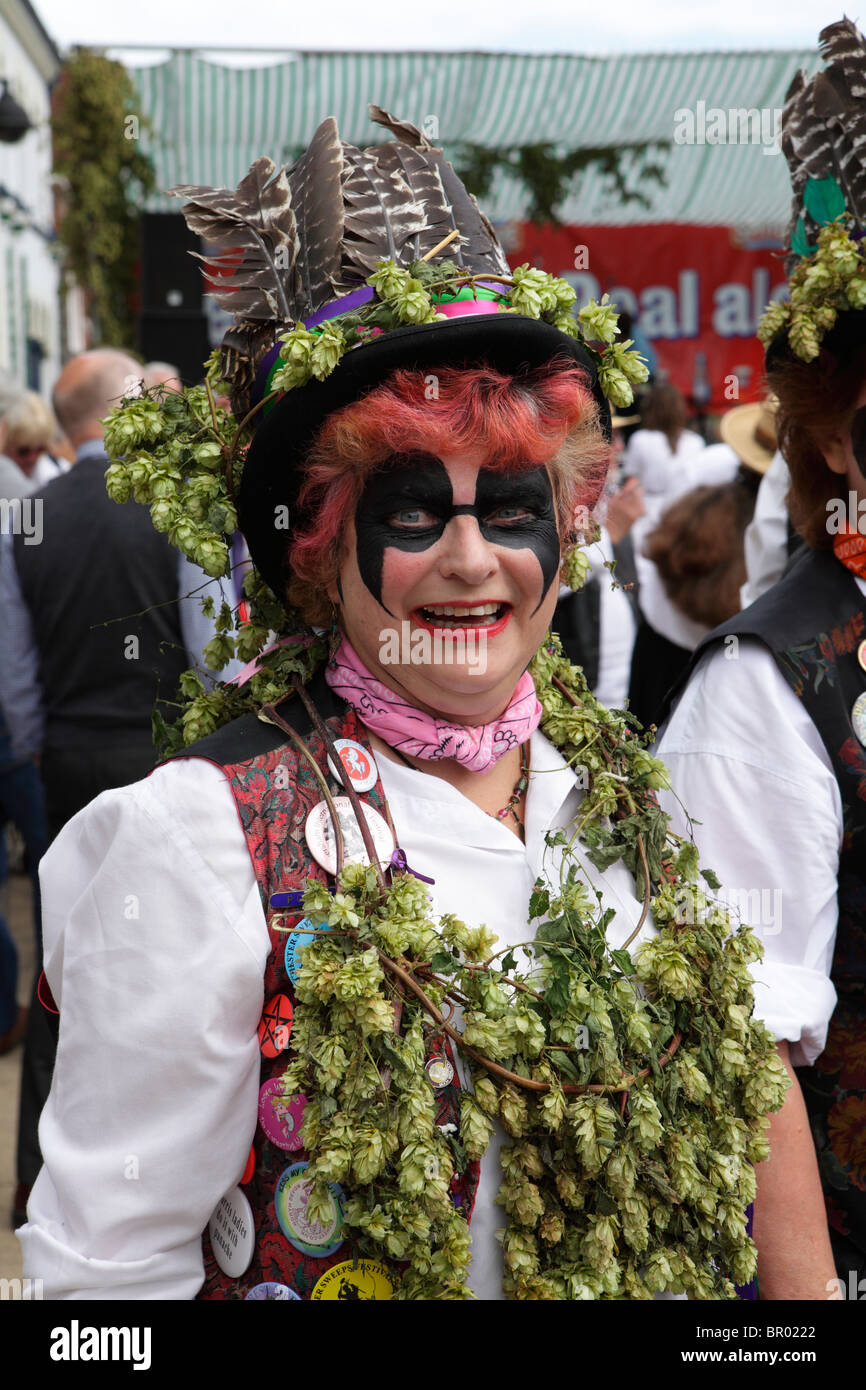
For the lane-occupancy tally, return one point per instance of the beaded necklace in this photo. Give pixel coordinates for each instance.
(519, 788)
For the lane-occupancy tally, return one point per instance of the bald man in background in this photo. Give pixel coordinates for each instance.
(93, 635)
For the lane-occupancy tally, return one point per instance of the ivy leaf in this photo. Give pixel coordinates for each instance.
(508, 963)
(539, 902)
(557, 994)
(604, 856)
(624, 961)
(687, 860)
(564, 1065)
(443, 963)
(710, 880)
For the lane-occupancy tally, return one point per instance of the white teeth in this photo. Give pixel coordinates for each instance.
(447, 610)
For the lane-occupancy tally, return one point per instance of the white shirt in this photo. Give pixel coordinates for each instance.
(155, 950)
(747, 761)
(663, 472)
(766, 540)
(617, 627)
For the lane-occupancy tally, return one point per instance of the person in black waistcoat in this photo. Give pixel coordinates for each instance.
(767, 744)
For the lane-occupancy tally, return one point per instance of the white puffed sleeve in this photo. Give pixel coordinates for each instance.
(155, 950)
(747, 763)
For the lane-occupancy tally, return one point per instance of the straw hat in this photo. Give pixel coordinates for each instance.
(750, 430)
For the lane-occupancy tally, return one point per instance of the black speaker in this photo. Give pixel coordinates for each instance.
(172, 326)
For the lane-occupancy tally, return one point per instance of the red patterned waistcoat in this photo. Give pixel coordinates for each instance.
(274, 791)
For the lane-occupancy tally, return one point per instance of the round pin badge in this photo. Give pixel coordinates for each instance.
(357, 763)
(364, 1282)
(298, 939)
(232, 1233)
(861, 655)
(320, 835)
(317, 1238)
(281, 1116)
(275, 1028)
(278, 1292)
(858, 717)
(440, 1072)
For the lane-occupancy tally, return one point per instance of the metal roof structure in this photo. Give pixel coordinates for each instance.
(710, 119)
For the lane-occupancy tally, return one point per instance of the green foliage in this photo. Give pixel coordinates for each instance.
(549, 174)
(104, 178)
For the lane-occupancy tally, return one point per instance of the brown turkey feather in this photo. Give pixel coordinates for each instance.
(382, 219)
(256, 218)
(317, 199)
(422, 178)
(824, 125)
(477, 248)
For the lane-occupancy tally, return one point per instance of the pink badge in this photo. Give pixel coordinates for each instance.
(281, 1117)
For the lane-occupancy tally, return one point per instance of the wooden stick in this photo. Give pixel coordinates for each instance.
(428, 255)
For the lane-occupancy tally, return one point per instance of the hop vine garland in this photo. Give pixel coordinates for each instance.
(411, 296)
(634, 1085)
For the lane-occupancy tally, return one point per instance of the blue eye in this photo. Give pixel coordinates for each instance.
(411, 519)
(513, 512)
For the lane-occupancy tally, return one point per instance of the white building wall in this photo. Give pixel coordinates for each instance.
(30, 277)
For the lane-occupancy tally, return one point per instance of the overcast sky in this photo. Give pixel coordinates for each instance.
(568, 26)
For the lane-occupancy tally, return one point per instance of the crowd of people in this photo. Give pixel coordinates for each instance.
(99, 616)
(678, 520)
(333, 1057)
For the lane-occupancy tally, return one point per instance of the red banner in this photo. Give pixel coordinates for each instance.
(696, 293)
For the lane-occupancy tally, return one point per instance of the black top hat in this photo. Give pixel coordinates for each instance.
(509, 343)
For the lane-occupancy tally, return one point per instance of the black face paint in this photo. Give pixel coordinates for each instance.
(858, 439)
(420, 482)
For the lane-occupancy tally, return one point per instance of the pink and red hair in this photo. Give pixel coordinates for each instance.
(544, 416)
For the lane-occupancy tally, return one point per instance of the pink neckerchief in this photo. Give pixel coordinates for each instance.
(420, 735)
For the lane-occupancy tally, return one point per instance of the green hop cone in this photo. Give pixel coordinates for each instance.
(208, 454)
(773, 320)
(476, 1129)
(576, 567)
(856, 292)
(297, 357)
(118, 483)
(600, 320)
(212, 556)
(389, 281)
(329, 347)
(412, 303)
(616, 386)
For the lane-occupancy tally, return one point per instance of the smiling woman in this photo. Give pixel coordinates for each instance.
(395, 966)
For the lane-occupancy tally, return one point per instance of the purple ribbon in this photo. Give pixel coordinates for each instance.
(344, 305)
(398, 861)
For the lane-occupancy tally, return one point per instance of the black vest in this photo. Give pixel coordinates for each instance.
(813, 622)
(87, 584)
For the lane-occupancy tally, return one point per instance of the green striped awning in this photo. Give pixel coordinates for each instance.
(210, 121)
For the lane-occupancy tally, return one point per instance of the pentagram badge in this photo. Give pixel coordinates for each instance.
(276, 1026)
